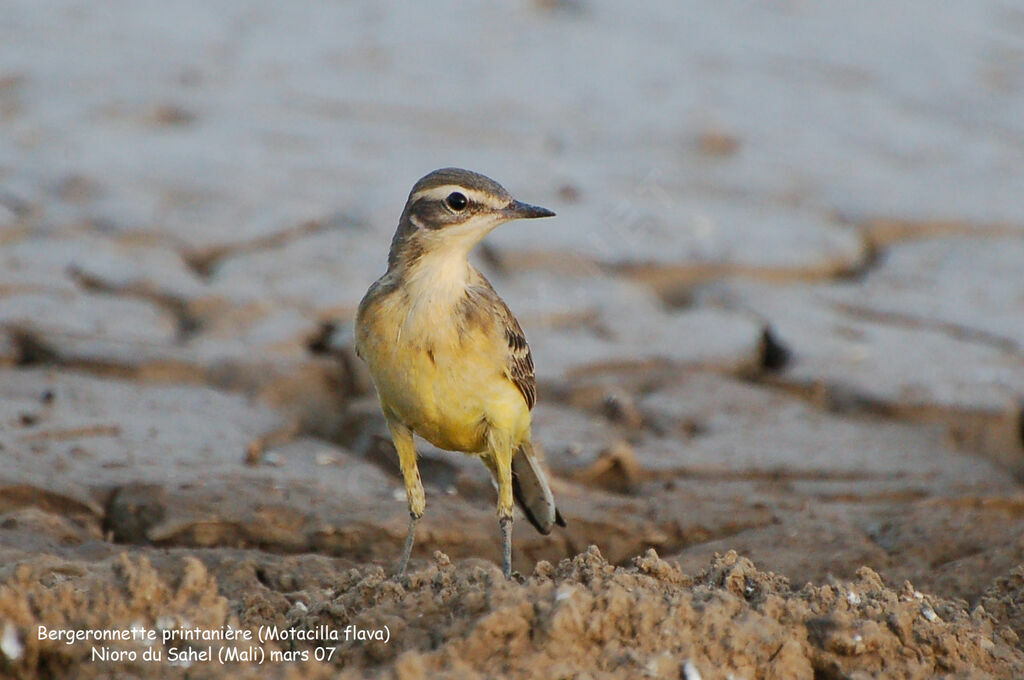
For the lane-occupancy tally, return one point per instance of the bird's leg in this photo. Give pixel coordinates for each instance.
(506, 546)
(501, 449)
(402, 436)
(407, 550)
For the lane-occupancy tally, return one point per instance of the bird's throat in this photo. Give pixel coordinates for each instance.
(437, 282)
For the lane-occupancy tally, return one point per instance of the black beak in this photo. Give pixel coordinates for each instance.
(517, 210)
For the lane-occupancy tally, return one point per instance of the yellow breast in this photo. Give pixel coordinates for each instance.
(444, 379)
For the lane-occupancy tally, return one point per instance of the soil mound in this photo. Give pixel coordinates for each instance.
(582, 618)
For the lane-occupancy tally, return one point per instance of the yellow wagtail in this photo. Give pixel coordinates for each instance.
(448, 359)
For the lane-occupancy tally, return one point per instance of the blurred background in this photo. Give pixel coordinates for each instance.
(781, 304)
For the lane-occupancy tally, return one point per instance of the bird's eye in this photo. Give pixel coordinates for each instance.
(456, 201)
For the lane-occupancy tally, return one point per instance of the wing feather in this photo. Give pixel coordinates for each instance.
(484, 303)
(520, 361)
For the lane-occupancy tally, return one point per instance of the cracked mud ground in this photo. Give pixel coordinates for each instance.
(778, 327)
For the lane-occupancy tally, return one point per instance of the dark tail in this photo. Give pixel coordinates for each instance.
(532, 493)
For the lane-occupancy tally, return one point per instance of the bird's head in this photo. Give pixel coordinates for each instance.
(450, 210)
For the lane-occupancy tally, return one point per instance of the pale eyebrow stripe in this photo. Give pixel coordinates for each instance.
(442, 192)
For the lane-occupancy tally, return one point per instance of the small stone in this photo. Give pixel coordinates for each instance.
(690, 671)
(10, 642)
(717, 144)
(324, 458)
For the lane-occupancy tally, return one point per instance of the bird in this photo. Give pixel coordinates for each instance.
(448, 359)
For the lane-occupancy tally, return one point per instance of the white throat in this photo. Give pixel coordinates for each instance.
(437, 280)
(442, 270)
(440, 274)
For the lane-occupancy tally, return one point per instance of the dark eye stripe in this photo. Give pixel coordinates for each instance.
(435, 213)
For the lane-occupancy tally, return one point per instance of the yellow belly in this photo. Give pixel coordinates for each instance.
(449, 390)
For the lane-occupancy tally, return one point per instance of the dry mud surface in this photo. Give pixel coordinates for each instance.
(778, 327)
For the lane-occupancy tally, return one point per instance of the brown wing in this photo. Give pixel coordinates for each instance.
(520, 361)
(482, 305)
